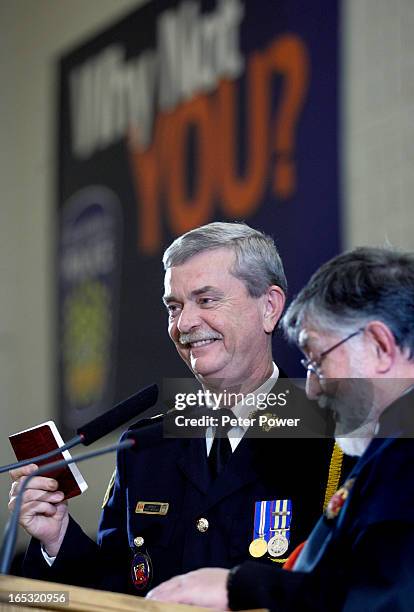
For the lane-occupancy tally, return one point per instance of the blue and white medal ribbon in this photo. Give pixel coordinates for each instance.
(258, 546)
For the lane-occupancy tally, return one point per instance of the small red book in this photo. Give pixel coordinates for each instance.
(42, 439)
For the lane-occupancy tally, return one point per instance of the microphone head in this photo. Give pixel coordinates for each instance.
(118, 415)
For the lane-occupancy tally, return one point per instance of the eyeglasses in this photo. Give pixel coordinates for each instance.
(314, 365)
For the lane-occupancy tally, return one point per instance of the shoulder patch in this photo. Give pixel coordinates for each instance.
(109, 489)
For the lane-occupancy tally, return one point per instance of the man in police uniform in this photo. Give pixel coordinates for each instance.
(180, 504)
(354, 322)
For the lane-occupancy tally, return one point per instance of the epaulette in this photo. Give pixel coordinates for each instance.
(157, 418)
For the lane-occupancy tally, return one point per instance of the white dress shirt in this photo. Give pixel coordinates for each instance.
(242, 410)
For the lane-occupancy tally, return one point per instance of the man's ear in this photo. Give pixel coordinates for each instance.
(384, 347)
(273, 305)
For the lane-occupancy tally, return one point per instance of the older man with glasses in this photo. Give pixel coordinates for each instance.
(314, 366)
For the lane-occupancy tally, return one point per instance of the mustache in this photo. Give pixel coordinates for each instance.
(189, 338)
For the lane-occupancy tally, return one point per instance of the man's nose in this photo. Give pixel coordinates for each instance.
(313, 385)
(189, 318)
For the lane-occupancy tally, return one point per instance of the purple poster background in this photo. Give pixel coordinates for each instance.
(181, 114)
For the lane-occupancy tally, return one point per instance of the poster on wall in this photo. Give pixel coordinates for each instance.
(182, 113)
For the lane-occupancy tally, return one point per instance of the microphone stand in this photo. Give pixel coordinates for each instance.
(100, 426)
(11, 527)
(70, 444)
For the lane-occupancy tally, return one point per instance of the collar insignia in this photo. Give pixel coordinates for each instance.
(338, 499)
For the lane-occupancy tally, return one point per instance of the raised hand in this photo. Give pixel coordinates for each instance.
(44, 513)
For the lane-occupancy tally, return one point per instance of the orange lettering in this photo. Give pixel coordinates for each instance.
(288, 55)
(186, 213)
(241, 195)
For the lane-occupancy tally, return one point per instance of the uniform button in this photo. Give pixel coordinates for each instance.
(202, 525)
(138, 541)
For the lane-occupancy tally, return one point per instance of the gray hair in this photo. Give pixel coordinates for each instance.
(257, 263)
(356, 287)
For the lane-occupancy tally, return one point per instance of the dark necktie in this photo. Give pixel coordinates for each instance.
(220, 451)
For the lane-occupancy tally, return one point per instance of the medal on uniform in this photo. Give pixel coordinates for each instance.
(277, 545)
(141, 566)
(279, 542)
(258, 546)
(271, 532)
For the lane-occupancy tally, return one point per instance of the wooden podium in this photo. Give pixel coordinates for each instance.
(80, 599)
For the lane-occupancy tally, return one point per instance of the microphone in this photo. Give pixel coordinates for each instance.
(100, 426)
(11, 528)
(120, 414)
